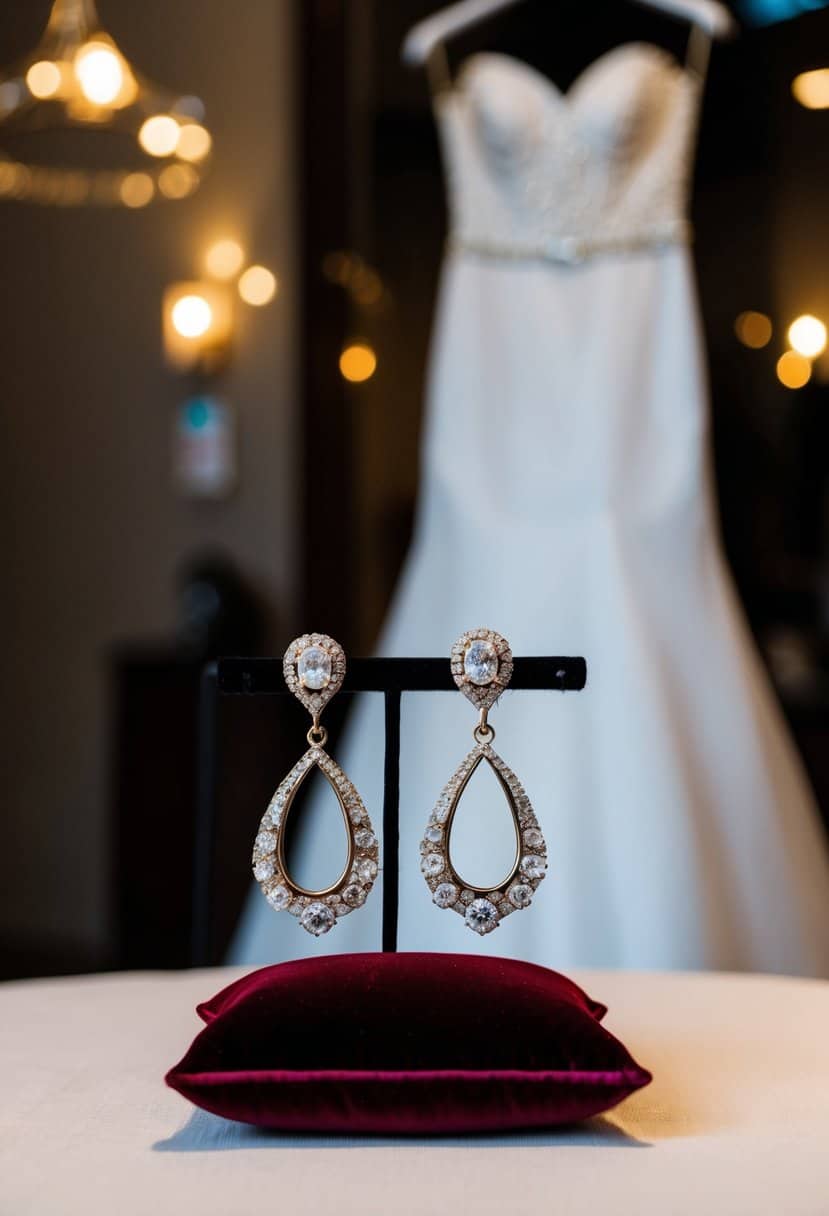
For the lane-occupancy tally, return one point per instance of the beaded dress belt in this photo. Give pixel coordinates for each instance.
(571, 251)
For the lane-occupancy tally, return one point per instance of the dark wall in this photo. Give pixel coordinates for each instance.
(92, 529)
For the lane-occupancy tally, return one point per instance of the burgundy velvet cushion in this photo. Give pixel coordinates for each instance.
(405, 1043)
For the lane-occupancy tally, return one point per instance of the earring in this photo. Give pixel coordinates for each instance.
(482, 667)
(314, 669)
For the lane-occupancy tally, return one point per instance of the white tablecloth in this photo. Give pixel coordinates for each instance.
(736, 1120)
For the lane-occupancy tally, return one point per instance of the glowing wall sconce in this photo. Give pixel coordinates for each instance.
(197, 326)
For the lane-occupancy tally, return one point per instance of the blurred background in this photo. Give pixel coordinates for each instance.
(212, 354)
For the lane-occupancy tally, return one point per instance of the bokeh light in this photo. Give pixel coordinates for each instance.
(367, 287)
(192, 316)
(159, 135)
(137, 190)
(793, 370)
(78, 65)
(177, 181)
(807, 335)
(10, 96)
(811, 89)
(224, 259)
(43, 79)
(99, 72)
(257, 286)
(194, 142)
(338, 266)
(358, 363)
(753, 329)
(190, 107)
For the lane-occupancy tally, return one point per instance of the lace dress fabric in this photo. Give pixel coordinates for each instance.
(533, 172)
(566, 502)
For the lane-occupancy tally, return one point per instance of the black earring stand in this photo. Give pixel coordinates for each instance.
(391, 677)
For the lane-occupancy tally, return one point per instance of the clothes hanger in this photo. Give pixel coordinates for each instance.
(425, 42)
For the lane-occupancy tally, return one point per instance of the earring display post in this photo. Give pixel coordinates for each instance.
(392, 677)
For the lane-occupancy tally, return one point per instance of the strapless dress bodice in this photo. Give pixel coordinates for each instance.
(534, 172)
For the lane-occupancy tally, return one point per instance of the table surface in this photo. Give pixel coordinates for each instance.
(736, 1120)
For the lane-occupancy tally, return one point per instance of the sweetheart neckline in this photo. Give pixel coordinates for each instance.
(513, 62)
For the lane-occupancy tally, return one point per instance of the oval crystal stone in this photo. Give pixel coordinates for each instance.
(314, 668)
(480, 663)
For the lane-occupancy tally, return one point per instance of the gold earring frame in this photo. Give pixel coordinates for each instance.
(314, 667)
(482, 665)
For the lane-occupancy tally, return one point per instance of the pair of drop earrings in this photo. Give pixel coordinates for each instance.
(314, 670)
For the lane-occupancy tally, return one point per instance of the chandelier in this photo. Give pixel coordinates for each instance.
(150, 143)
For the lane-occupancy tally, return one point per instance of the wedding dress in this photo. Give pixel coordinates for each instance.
(566, 502)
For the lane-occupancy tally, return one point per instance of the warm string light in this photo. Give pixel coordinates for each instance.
(793, 370)
(364, 285)
(177, 181)
(811, 89)
(137, 189)
(194, 142)
(753, 329)
(43, 79)
(807, 338)
(358, 363)
(159, 135)
(257, 286)
(351, 272)
(224, 259)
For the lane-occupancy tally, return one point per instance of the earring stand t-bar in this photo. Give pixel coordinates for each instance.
(391, 677)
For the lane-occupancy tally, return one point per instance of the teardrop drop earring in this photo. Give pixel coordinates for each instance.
(482, 668)
(314, 670)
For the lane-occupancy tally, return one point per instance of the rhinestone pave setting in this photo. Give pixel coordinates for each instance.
(483, 909)
(314, 669)
(481, 662)
(316, 911)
